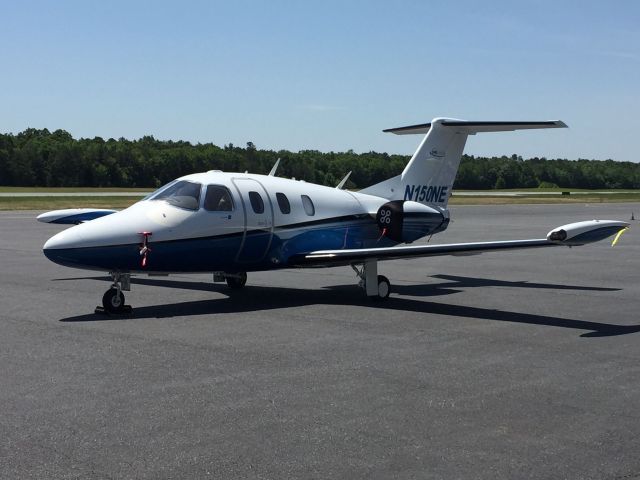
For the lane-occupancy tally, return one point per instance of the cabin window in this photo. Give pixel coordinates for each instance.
(283, 203)
(308, 205)
(218, 199)
(256, 202)
(181, 194)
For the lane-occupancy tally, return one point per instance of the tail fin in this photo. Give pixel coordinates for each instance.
(429, 175)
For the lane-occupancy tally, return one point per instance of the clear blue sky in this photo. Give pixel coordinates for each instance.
(327, 75)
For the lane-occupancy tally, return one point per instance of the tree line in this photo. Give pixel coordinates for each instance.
(40, 158)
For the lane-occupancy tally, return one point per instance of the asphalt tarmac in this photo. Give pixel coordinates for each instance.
(510, 365)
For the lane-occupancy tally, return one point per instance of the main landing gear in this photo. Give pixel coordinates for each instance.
(376, 286)
(113, 299)
(234, 280)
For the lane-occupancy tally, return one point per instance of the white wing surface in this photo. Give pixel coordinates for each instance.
(573, 234)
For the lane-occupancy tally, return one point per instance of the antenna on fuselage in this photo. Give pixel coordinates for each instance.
(343, 181)
(274, 168)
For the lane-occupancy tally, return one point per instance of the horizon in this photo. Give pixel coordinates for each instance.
(364, 152)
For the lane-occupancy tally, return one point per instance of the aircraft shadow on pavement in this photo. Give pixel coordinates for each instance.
(463, 282)
(256, 298)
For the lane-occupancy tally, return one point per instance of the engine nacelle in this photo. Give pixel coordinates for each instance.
(405, 221)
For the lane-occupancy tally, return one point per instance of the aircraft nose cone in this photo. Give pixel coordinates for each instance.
(69, 238)
(57, 248)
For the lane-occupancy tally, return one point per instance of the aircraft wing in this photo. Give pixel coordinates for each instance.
(573, 234)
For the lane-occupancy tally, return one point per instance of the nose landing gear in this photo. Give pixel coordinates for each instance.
(113, 299)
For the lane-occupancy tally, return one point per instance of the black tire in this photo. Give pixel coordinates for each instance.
(238, 281)
(384, 288)
(112, 301)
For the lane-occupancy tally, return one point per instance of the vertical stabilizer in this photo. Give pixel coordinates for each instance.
(428, 177)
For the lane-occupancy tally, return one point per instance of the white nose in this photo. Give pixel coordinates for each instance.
(69, 238)
(62, 248)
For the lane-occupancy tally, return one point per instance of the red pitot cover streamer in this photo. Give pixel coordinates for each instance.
(144, 249)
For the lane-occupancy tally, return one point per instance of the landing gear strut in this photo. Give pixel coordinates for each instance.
(113, 299)
(376, 286)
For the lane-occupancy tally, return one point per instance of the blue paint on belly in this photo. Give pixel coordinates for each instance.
(211, 254)
(190, 255)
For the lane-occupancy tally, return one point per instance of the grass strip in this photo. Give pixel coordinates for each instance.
(57, 203)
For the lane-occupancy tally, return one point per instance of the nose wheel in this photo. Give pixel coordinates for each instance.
(113, 299)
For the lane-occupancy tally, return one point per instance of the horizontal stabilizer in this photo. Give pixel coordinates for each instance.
(73, 216)
(470, 127)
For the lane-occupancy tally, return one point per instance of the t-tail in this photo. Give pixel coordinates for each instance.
(428, 177)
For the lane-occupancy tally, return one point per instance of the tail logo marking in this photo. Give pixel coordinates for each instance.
(426, 193)
(437, 153)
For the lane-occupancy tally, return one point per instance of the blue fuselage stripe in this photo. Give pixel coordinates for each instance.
(221, 253)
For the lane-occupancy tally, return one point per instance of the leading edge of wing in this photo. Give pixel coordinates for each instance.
(321, 258)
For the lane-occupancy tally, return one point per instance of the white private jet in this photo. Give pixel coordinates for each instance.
(233, 223)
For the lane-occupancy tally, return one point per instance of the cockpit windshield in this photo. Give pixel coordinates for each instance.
(149, 196)
(181, 194)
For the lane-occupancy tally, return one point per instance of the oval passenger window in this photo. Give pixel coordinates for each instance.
(256, 202)
(283, 203)
(308, 205)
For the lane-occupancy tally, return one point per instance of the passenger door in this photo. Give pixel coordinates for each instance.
(258, 220)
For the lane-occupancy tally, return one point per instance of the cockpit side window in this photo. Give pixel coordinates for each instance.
(218, 199)
(183, 194)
